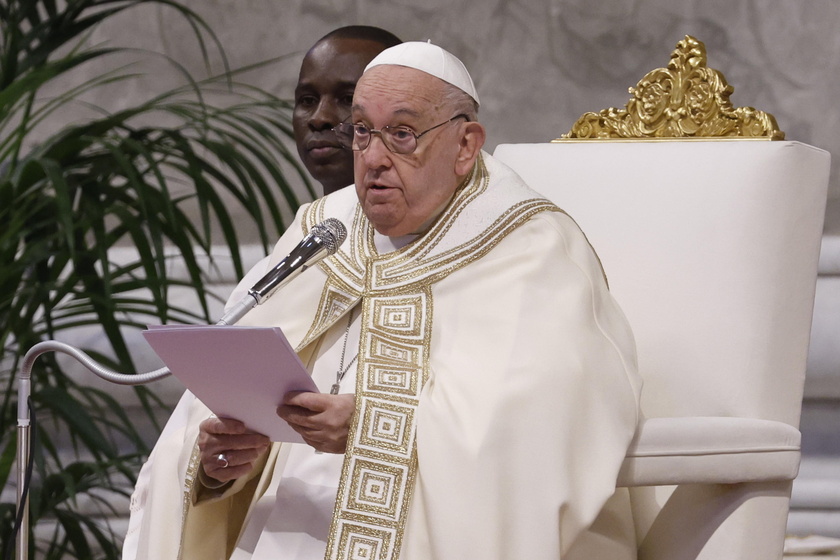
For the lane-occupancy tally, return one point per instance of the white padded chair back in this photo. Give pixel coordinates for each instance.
(711, 249)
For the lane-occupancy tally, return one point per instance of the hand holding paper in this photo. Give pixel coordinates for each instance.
(227, 449)
(322, 419)
(238, 372)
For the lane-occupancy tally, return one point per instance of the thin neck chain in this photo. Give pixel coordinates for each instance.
(342, 370)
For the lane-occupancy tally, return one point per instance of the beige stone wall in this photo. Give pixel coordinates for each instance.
(539, 64)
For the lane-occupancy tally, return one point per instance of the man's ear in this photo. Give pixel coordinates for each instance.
(473, 136)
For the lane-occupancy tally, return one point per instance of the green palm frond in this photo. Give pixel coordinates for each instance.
(114, 184)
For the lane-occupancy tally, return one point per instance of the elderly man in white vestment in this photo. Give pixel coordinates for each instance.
(478, 381)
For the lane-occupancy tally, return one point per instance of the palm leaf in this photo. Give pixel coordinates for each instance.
(98, 186)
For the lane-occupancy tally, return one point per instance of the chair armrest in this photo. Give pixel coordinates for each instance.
(710, 450)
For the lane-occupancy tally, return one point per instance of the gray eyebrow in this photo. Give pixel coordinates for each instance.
(407, 111)
(403, 111)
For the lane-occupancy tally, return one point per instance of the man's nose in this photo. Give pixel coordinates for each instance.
(326, 115)
(377, 153)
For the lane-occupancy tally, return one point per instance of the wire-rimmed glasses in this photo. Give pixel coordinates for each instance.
(398, 139)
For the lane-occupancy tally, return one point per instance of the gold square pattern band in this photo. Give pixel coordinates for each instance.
(380, 464)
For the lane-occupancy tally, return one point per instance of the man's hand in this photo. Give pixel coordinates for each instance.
(322, 420)
(238, 446)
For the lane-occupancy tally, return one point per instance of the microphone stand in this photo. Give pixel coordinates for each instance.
(24, 434)
(323, 240)
(277, 276)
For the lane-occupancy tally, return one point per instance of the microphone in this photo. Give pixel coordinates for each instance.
(323, 240)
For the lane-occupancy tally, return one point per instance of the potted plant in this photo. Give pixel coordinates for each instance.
(70, 200)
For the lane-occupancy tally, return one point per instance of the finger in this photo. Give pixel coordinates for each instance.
(229, 465)
(301, 420)
(220, 442)
(213, 444)
(215, 425)
(234, 458)
(325, 445)
(241, 441)
(316, 402)
(291, 413)
(335, 416)
(229, 473)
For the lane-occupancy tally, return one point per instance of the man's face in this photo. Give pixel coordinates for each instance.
(401, 193)
(323, 97)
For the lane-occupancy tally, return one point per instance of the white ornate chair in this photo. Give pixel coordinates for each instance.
(711, 248)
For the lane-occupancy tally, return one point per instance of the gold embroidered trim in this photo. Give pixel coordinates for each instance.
(341, 291)
(380, 465)
(419, 262)
(336, 300)
(190, 479)
(409, 270)
(349, 265)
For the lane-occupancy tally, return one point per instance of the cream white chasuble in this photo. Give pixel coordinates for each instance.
(524, 343)
(380, 464)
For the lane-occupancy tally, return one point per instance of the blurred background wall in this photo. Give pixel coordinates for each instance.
(538, 65)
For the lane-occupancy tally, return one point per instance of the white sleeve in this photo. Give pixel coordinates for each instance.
(177, 421)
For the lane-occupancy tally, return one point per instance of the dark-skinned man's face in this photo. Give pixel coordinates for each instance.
(323, 97)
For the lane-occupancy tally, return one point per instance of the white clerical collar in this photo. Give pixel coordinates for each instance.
(385, 244)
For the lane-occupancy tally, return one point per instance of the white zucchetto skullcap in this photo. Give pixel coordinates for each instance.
(430, 59)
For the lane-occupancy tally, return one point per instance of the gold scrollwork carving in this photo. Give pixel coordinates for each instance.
(685, 100)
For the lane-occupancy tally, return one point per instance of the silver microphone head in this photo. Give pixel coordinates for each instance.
(332, 232)
(322, 240)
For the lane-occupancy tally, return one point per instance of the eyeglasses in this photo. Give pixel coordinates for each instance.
(398, 139)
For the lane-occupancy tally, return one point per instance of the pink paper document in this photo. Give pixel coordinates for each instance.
(238, 372)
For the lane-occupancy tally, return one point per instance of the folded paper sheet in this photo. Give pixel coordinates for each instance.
(238, 372)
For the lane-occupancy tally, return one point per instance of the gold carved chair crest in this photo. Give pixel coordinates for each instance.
(685, 100)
